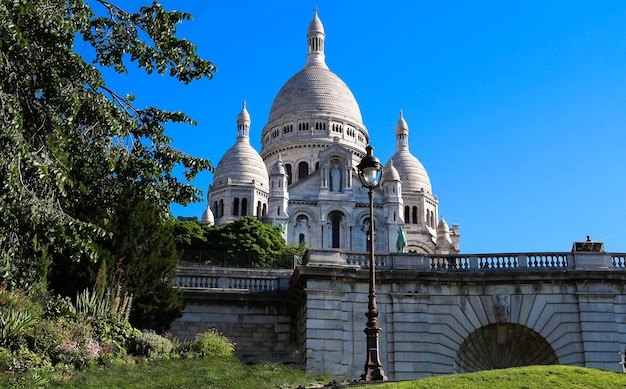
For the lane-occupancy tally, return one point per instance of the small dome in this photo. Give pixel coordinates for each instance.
(443, 226)
(390, 173)
(244, 116)
(278, 168)
(316, 26)
(412, 173)
(401, 125)
(241, 164)
(443, 234)
(207, 216)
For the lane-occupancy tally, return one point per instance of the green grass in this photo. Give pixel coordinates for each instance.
(531, 377)
(207, 373)
(229, 373)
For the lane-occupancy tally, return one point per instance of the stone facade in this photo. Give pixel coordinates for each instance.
(305, 177)
(482, 312)
(251, 307)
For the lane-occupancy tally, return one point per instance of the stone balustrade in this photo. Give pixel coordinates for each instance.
(544, 261)
(277, 280)
(232, 279)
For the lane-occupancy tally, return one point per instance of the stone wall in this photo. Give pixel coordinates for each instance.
(260, 324)
(468, 314)
(444, 322)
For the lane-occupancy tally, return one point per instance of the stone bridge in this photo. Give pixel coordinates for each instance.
(439, 314)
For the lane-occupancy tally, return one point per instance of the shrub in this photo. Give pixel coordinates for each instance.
(59, 306)
(46, 336)
(17, 314)
(211, 343)
(151, 345)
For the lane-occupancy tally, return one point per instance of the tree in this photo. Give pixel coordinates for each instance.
(246, 242)
(72, 149)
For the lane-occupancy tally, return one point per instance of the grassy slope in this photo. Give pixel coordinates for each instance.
(208, 373)
(544, 377)
(231, 374)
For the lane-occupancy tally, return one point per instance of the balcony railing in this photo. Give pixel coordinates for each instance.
(204, 277)
(232, 279)
(558, 261)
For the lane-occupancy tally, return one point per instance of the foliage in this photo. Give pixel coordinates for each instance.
(246, 242)
(147, 265)
(17, 314)
(72, 148)
(151, 345)
(210, 344)
(115, 304)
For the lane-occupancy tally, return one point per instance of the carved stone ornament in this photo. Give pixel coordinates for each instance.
(502, 309)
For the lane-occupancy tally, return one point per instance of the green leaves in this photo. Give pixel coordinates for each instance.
(71, 148)
(117, 34)
(246, 242)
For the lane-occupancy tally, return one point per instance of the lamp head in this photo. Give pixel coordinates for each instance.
(370, 169)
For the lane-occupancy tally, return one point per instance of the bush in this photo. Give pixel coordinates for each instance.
(47, 335)
(151, 345)
(18, 313)
(211, 343)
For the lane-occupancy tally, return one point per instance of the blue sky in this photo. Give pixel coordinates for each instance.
(517, 109)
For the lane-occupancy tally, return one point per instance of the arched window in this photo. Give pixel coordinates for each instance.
(335, 223)
(264, 210)
(415, 220)
(221, 208)
(258, 209)
(302, 221)
(407, 212)
(244, 207)
(288, 170)
(215, 209)
(235, 206)
(303, 170)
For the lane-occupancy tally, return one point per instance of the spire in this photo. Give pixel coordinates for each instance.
(243, 122)
(402, 133)
(443, 234)
(315, 38)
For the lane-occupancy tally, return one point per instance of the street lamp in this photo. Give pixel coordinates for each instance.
(370, 170)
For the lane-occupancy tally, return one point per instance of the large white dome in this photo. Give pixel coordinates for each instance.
(315, 90)
(313, 108)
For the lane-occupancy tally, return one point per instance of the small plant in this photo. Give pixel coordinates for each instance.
(151, 345)
(211, 343)
(18, 313)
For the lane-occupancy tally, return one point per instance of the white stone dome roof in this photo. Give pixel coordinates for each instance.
(390, 173)
(207, 216)
(278, 168)
(412, 173)
(241, 164)
(315, 90)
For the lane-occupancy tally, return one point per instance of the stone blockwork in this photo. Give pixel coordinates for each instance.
(260, 324)
(439, 315)
(444, 321)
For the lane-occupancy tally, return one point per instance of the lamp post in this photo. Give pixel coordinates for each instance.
(370, 170)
